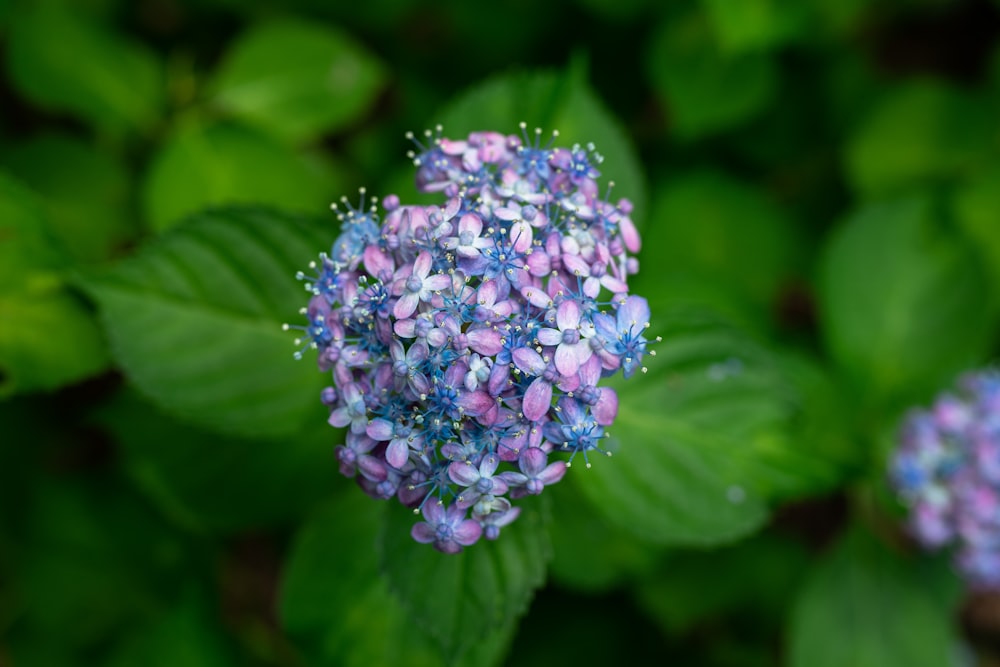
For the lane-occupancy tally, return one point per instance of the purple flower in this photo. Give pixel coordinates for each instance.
(569, 338)
(447, 528)
(467, 340)
(946, 469)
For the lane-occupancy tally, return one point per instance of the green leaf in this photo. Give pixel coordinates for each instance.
(591, 554)
(85, 192)
(64, 62)
(742, 239)
(187, 635)
(917, 133)
(335, 601)
(179, 468)
(203, 166)
(194, 319)
(976, 207)
(48, 339)
(706, 90)
(94, 561)
(865, 606)
(28, 251)
(755, 578)
(751, 25)
(297, 80)
(893, 287)
(551, 101)
(682, 432)
(473, 597)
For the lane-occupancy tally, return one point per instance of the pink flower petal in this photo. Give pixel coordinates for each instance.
(397, 453)
(537, 399)
(468, 532)
(606, 408)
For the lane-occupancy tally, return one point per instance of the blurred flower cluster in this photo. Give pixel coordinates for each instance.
(947, 470)
(467, 340)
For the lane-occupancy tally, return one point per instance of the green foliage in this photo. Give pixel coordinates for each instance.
(917, 133)
(206, 165)
(818, 189)
(84, 191)
(195, 320)
(706, 90)
(893, 285)
(48, 338)
(888, 610)
(65, 62)
(297, 80)
(469, 601)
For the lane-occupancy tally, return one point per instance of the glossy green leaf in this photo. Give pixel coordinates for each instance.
(750, 25)
(195, 317)
(550, 101)
(893, 287)
(715, 227)
(471, 598)
(591, 554)
(85, 192)
(335, 601)
(27, 247)
(976, 207)
(706, 90)
(917, 133)
(865, 606)
(48, 338)
(203, 166)
(65, 62)
(179, 468)
(682, 433)
(297, 80)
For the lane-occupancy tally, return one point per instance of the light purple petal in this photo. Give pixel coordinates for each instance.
(537, 399)
(548, 336)
(576, 265)
(423, 533)
(475, 403)
(606, 408)
(422, 265)
(434, 512)
(372, 468)
(566, 359)
(463, 473)
(489, 466)
(377, 260)
(406, 305)
(521, 236)
(630, 234)
(437, 282)
(468, 532)
(528, 361)
(405, 328)
(552, 473)
(568, 315)
(380, 429)
(487, 293)
(470, 222)
(397, 453)
(487, 342)
(532, 461)
(340, 417)
(536, 296)
(634, 311)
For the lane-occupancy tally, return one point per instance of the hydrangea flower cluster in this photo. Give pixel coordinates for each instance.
(947, 470)
(467, 340)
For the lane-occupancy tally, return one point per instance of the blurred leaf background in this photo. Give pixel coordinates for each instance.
(818, 185)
